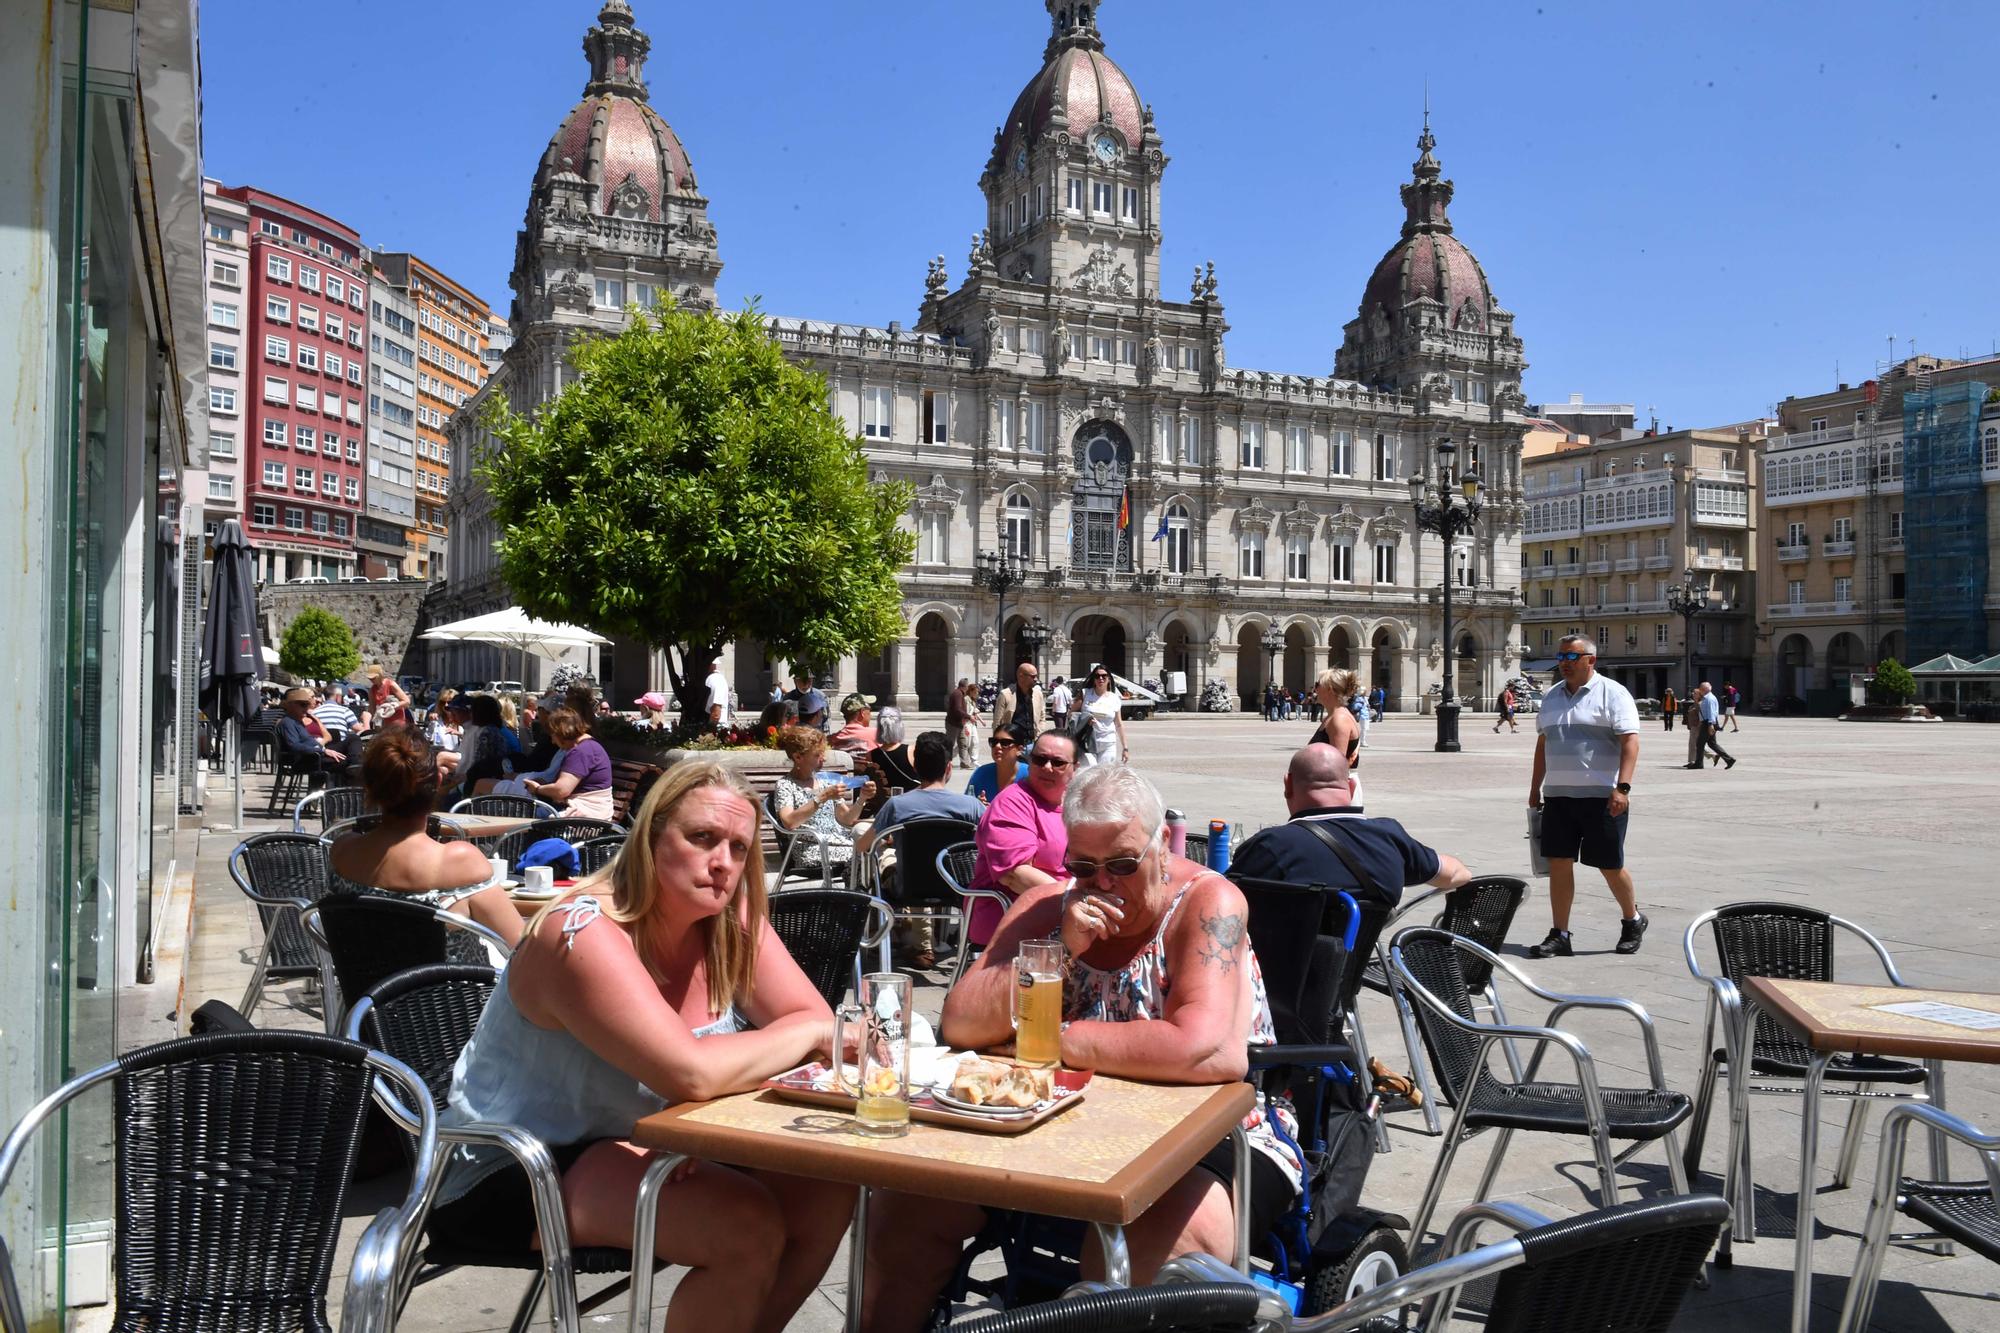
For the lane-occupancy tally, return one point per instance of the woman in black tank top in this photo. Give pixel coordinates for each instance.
(1335, 687)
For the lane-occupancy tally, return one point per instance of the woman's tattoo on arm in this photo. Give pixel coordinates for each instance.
(1224, 933)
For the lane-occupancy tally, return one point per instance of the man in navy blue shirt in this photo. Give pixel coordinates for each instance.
(1319, 790)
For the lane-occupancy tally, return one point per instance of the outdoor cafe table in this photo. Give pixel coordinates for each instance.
(1834, 1018)
(477, 827)
(1105, 1160)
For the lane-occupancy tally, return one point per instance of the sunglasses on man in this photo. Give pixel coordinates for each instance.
(1573, 657)
(1048, 761)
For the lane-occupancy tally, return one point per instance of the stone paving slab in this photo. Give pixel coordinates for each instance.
(1890, 826)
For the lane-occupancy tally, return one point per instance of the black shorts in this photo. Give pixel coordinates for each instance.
(499, 1212)
(1581, 828)
(1271, 1191)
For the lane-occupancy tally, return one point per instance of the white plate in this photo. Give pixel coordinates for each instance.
(949, 1102)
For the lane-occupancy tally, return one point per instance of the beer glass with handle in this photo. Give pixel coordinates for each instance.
(882, 1087)
(1037, 1003)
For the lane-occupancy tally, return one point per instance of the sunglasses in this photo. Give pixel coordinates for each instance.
(1048, 761)
(1118, 867)
(1572, 657)
(1004, 745)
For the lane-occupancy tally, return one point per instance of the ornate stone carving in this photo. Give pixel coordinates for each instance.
(1344, 522)
(988, 641)
(1388, 523)
(1060, 336)
(1102, 275)
(1255, 517)
(1153, 355)
(1435, 653)
(936, 282)
(1154, 648)
(1208, 282)
(1299, 520)
(938, 494)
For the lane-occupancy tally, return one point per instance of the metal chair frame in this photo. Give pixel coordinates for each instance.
(1725, 1010)
(1381, 978)
(381, 1256)
(282, 908)
(867, 874)
(1489, 1034)
(324, 801)
(292, 772)
(1890, 1196)
(788, 841)
(594, 854)
(967, 896)
(493, 805)
(329, 981)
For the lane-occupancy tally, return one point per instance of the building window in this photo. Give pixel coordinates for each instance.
(276, 390)
(1843, 529)
(274, 475)
(222, 444)
(1191, 441)
(1006, 424)
(340, 525)
(1298, 449)
(221, 400)
(1298, 558)
(319, 523)
(308, 278)
(308, 319)
(1700, 634)
(1100, 197)
(295, 520)
(221, 486)
(1795, 592)
(1895, 525)
(1020, 534)
(223, 313)
(1340, 454)
(307, 399)
(274, 432)
(1575, 596)
(277, 309)
(1385, 562)
(225, 274)
(221, 356)
(1074, 196)
(354, 451)
(610, 293)
(335, 289)
(937, 417)
(1843, 589)
(877, 412)
(1250, 452)
(1386, 449)
(1128, 204)
(333, 364)
(308, 357)
(1250, 555)
(302, 479)
(277, 349)
(1343, 562)
(932, 525)
(277, 268)
(1179, 539)
(306, 438)
(1660, 635)
(264, 515)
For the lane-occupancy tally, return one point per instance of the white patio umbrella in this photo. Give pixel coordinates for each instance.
(515, 628)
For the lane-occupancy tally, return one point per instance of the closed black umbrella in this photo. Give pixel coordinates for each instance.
(232, 655)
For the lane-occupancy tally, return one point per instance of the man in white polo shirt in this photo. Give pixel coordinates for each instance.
(1586, 749)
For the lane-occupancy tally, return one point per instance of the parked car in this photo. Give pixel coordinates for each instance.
(310, 578)
(502, 687)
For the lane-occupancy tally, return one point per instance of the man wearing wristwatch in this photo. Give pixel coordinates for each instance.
(1585, 750)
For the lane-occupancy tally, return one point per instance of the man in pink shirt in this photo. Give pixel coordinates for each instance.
(1021, 840)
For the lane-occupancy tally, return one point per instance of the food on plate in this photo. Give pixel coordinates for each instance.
(991, 1083)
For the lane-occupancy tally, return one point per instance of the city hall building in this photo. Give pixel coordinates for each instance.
(1068, 402)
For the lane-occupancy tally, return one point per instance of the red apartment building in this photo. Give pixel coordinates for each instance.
(304, 378)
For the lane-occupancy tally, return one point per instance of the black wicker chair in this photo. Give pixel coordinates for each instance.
(1481, 910)
(1967, 1212)
(439, 827)
(333, 805)
(955, 865)
(920, 893)
(572, 831)
(826, 930)
(232, 1158)
(1429, 969)
(1794, 943)
(1209, 1307)
(283, 873)
(1197, 848)
(365, 938)
(505, 807)
(292, 775)
(593, 854)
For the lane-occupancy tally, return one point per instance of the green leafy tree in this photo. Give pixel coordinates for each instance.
(691, 487)
(318, 645)
(1893, 682)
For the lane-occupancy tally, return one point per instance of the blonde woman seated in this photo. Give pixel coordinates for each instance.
(399, 780)
(658, 980)
(1161, 987)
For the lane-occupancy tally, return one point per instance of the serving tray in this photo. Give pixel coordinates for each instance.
(813, 1085)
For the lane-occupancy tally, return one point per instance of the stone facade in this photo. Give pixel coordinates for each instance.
(1059, 402)
(386, 617)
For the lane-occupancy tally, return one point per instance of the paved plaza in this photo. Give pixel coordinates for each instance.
(1890, 826)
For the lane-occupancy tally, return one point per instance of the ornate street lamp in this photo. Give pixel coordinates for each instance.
(1688, 599)
(1447, 504)
(1035, 634)
(1274, 639)
(1000, 572)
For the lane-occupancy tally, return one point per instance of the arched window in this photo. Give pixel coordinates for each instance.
(1020, 534)
(1180, 544)
(1990, 445)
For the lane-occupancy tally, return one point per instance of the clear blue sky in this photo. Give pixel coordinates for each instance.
(1701, 207)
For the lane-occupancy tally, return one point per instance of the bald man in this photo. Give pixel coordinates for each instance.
(1319, 792)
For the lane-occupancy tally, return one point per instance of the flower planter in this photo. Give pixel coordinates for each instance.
(1890, 713)
(759, 768)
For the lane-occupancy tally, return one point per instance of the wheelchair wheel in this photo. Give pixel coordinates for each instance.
(1377, 1259)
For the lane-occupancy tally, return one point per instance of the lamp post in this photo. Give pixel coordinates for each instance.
(1035, 634)
(1688, 599)
(1000, 572)
(1273, 641)
(1448, 504)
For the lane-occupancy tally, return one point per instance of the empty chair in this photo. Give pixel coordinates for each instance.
(366, 938)
(1197, 848)
(331, 805)
(1794, 943)
(1966, 1212)
(826, 930)
(593, 854)
(283, 873)
(1429, 967)
(232, 1155)
(921, 892)
(505, 807)
(954, 865)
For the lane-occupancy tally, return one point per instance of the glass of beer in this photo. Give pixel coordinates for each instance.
(882, 1073)
(1037, 1006)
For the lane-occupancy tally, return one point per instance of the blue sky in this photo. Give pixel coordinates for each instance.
(1698, 207)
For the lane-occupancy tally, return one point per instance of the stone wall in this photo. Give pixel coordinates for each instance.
(385, 617)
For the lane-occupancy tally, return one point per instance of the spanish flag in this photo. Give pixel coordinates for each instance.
(1124, 511)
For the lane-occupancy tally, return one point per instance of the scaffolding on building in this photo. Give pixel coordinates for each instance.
(1944, 520)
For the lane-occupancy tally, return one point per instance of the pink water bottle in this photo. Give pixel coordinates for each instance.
(1177, 832)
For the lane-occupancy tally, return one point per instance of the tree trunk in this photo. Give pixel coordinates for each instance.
(687, 670)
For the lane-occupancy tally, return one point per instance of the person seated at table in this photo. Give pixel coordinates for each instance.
(916, 940)
(660, 981)
(805, 806)
(1005, 768)
(335, 716)
(582, 789)
(1021, 842)
(447, 724)
(482, 748)
(297, 740)
(890, 762)
(399, 779)
(808, 699)
(777, 715)
(857, 737)
(1161, 987)
(652, 706)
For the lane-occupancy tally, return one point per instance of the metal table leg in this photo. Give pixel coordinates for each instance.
(1940, 1142)
(1239, 1198)
(1802, 1254)
(1738, 1188)
(1117, 1261)
(857, 1259)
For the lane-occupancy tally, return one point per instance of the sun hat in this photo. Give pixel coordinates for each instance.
(853, 704)
(374, 672)
(651, 699)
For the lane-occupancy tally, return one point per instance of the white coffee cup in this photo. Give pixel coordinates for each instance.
(539, 879)
(499, 864)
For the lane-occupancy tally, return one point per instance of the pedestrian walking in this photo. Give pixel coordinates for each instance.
(1586, 748)
(961, 713)
(1729, 698)
(1710, 713)
(1378, 701)
(1506, 710)
(1061, 700)
(1667, 704)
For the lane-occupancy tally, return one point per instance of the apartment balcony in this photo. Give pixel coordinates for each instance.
(1802, 552)
(1652, 608)
(1627, 565)
(1536, 573)
(1552, 613)
(1570, 571)
(1892, 545)
(1731, 563)
(1831, 546)
(1800, 610)
(1659, 562)
(1597, 567)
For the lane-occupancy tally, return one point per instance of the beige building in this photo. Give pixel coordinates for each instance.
(1611, 524)
(1853, 566)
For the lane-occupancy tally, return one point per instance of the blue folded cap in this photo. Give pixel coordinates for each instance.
(553, 852)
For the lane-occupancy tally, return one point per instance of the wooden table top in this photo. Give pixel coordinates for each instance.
(1835, 1016)
(1107, 1159)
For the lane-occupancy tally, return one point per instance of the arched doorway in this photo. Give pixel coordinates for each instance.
(1843, 658)
(1250, 669)
(933, 662)
(875, 675)
(1340, 647)
(1892, 646)
(1465, 680)
(1794, 665)
(1015, 649)
(1098, 639)
(1384, 654)
(1176, 655)
(1298, 673)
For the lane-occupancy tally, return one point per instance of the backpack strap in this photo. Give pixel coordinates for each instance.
(1338, 846)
